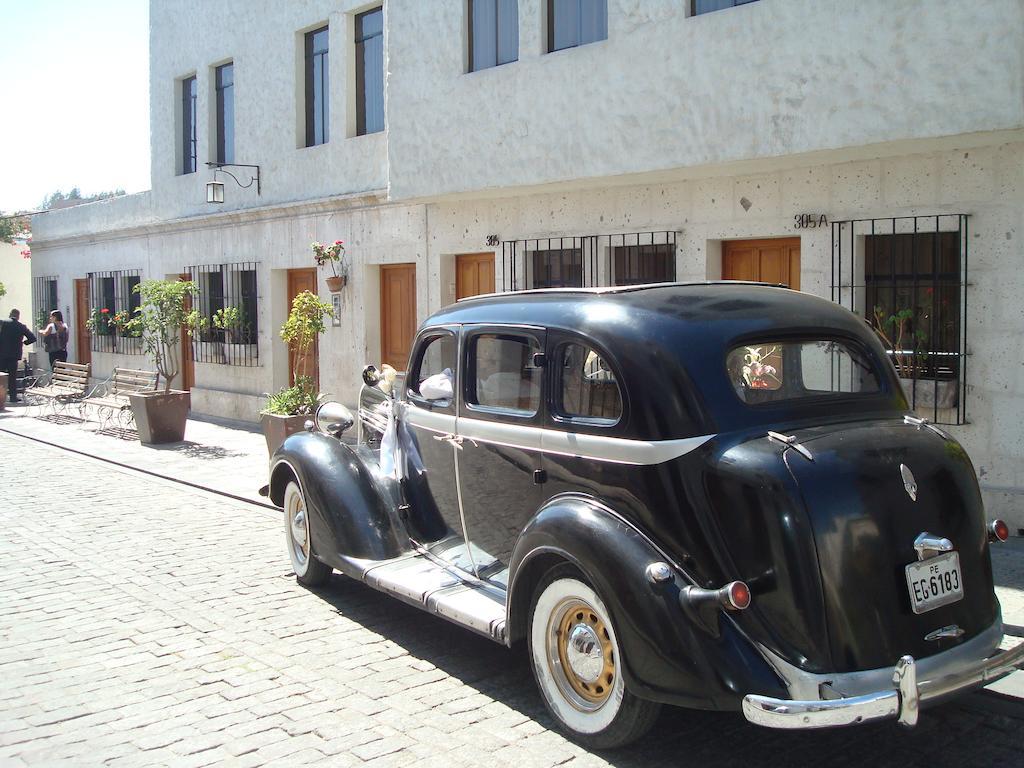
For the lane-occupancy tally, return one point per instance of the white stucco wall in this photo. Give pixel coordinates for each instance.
(768, 79)
(264, 40)
(987, 183)
(16, 275)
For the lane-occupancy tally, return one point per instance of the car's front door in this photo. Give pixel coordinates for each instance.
(428, 446)
(499, 438)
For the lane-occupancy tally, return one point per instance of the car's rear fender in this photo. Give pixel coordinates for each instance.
(667, 655)
(353, 510)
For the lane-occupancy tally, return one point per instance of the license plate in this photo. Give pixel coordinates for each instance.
(935, 582)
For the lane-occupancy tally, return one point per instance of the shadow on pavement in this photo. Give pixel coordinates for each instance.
(967, 731)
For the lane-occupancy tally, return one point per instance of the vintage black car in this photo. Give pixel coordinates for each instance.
(706, 495)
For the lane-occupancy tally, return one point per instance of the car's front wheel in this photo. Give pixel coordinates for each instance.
(308, 570)
(577, 663)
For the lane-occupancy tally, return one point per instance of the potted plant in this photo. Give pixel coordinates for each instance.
(287, 410)
(333, 254)
(229, 321)
(904, 334)
(163, 313)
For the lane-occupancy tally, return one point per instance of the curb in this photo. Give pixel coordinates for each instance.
(149, 472)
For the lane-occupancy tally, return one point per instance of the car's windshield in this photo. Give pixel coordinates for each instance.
(771, 371)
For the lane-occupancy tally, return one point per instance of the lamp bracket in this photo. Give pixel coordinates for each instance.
(254, 177)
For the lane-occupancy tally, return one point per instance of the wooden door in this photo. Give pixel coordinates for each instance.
(397, 313)
(300, 280)
(83, 342)
(474, 274)
(775, 260)
(187, 374)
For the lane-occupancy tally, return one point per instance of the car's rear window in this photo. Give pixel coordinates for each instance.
(771, 371)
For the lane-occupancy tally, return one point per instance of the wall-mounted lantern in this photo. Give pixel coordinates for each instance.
(215, 189)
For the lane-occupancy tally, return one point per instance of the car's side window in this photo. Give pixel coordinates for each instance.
(506, 375)
(433, 375)
(587, 388)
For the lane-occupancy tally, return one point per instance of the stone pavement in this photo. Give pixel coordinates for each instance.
(229, 457)
(147, 623)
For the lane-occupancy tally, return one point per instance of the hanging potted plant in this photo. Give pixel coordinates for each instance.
(161, 415)
(287, 410)
(333, 254)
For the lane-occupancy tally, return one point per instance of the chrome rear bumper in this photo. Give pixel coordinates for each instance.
(901, 702)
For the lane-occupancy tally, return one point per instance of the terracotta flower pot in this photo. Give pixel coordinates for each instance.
(335, 284)
(276, 428)
(159, 417)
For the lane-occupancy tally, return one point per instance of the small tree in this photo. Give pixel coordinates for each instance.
(305, 322)
(3, 291)
(13, 227)
(162, 314)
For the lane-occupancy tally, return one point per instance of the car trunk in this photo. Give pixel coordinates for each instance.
(865, 521)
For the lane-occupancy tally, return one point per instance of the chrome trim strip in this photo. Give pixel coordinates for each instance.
(428, 420)
(595, 447)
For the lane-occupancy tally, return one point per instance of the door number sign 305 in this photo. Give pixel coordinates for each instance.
(935, 582)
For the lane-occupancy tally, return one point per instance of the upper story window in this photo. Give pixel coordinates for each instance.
(317, 94)
(493, 33)
(576, 22)
(707, 6)
(370, 72)
(188, 125)
(225, 87)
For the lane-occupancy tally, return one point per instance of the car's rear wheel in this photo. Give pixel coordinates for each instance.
(308, 570)
(577, 663)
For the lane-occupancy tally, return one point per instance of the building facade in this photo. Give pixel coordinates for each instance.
(868, 152)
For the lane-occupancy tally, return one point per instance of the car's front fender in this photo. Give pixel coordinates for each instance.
(353, 510)
(666, 655)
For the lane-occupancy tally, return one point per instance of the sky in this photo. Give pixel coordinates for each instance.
(75, 82)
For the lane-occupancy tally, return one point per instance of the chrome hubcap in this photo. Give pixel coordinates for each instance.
(584, 654)
(299, 530)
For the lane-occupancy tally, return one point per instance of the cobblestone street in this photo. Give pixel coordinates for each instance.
(148, 623)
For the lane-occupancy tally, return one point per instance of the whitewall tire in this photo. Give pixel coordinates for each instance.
(298, 536)
(577, 663)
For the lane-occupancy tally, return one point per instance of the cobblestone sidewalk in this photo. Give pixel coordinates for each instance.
(145, 623)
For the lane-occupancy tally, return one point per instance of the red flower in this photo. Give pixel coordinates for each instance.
(338, 242)
(105, 311)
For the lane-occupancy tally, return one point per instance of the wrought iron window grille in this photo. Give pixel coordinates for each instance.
(585, 261)
(907, 277)
(44, 301)
(229, 299)
(110, 293)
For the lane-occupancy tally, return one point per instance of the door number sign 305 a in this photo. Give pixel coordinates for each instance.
(809, 220)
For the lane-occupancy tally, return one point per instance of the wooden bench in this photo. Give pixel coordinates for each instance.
(111, 397)
(68, 384)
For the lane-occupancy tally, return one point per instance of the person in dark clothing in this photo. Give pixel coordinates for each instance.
(55, 338)
(13, 334)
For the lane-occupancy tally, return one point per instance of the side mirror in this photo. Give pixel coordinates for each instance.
(371, 376)
(333, 418)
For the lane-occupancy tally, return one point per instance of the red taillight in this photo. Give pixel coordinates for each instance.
(739, 596)
(998, 531)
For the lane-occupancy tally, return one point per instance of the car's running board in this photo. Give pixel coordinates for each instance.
(420, 580)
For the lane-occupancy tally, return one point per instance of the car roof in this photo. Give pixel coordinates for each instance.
(669, 341)
(728, 308)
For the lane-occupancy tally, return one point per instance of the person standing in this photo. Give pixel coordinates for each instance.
(55, 338)
(12, 333)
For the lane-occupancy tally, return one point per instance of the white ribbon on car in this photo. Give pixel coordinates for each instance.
(390, 460)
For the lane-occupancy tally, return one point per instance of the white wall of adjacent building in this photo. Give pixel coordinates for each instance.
(712, 128)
